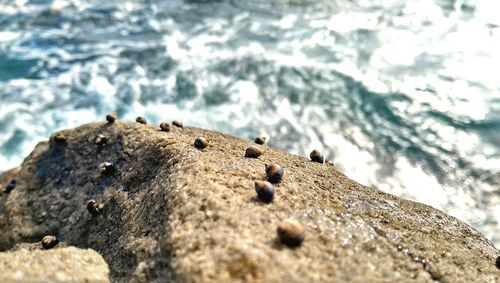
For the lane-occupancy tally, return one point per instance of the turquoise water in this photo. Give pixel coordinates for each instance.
(402, 95)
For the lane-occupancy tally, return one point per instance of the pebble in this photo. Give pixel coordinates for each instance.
(274, 173)
(93, 207)
(316, 156)
(329, 162)
(111, 118)
(260, 140)
(497, 262)
(265, 191)
(178, 123)
(291, 232)
(106, 168)
(253, 152)
(141, 120)
(10, 186)
(48, 242)
(165, 127)
(100, 139)
(200, 142)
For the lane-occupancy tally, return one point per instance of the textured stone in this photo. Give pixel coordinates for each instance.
(175, 213)
(67, 264)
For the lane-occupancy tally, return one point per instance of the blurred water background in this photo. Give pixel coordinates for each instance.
(402, 95)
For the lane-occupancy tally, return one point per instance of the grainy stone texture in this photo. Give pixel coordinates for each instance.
(175, 213)
(69, 264)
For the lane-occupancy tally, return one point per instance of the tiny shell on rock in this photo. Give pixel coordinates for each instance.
(49, 242)
(274, 173)
(291, 232)
(200, 142)
(10, 186)
(106, 168)
(141, 120)
(260, 140)
(100, 139)
(164, 127)
(265, 191)
(111, 118)
(178, 123)
(316, 156)
(253, 152)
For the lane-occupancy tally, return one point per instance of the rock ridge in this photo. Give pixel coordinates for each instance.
(173, 212)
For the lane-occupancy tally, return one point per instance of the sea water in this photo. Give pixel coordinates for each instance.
(402, 95)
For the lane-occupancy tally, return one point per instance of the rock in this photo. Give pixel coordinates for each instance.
(67, 264)
(175, 213)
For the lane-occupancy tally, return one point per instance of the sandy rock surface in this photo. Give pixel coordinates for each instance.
(173, 212)
(68, 264)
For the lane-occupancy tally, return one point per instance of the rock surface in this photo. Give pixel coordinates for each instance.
(67, 264)
(176, 213)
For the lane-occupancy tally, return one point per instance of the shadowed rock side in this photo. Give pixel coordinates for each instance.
(177, 213)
